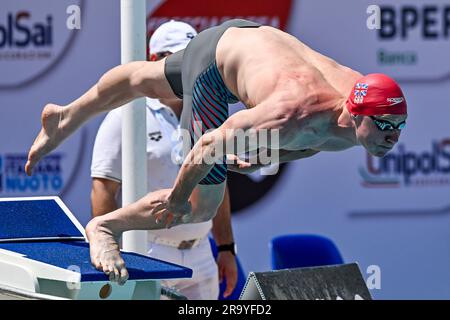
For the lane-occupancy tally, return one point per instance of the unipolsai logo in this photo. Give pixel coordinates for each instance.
(47, 177)
(33, 37)
(409, 168)
(21, 31)
(24, 37)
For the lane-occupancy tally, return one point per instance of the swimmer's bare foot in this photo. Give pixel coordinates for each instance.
(49, 137)
(104, 251)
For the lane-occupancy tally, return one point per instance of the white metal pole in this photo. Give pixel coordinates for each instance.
(134, 159)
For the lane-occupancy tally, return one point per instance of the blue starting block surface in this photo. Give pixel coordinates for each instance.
(70, 254)
(43, 229)
(37, 219)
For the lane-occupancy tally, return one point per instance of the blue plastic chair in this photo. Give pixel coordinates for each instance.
(300, 250)
(242, 278)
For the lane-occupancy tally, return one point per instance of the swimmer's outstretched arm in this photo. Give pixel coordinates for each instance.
(211, 147)
(115, 88)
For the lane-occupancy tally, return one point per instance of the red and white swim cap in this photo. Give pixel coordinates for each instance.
(376, 94)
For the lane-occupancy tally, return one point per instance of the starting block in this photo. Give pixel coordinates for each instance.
(331, 282)
(43, 251)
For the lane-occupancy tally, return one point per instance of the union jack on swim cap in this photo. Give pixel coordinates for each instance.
(376, 94)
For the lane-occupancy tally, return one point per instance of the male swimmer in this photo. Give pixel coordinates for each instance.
(314, 103)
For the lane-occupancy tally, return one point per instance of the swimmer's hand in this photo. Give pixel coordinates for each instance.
(234, 163)
(168, 212)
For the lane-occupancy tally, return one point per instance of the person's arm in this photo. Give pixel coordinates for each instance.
(106, 165)
(212, 146)
(223, 235)
(277, 113)
(103, 196)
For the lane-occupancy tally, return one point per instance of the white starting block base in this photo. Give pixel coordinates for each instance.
(34, 277)
(49, 258)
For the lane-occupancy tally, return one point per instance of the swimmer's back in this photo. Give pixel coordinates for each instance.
(246, 56)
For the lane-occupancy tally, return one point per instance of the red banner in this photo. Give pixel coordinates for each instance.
(203, 14)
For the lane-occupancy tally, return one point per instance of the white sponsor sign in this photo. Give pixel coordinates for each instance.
(33, 38)
(408, 45)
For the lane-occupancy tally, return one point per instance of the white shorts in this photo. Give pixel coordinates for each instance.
(204, 284)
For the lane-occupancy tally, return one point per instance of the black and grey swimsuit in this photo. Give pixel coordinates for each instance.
(193, 76)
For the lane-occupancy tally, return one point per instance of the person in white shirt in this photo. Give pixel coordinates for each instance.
(185, 244)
